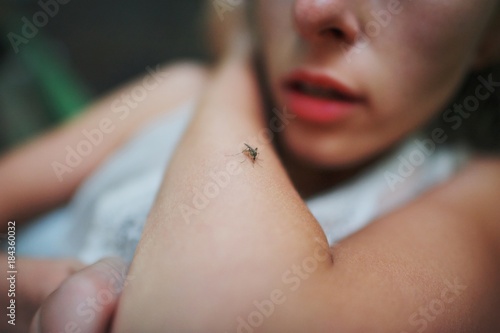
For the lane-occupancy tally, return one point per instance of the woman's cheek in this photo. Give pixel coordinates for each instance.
(422, 67)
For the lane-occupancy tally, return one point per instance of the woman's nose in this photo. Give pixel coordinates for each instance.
(326, 21)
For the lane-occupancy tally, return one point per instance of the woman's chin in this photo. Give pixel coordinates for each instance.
(320, 156)
(328, 152)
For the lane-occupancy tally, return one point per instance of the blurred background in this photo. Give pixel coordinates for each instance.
(56, 56)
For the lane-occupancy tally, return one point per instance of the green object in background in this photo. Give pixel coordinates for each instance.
(39, 89)
(64, 93)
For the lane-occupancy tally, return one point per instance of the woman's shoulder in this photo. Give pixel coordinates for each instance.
(451, 233)
(478, 191)
(474, 191)
(467, 204)
(458, 220)
(471, 195)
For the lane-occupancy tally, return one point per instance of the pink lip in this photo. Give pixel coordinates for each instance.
(316, 109)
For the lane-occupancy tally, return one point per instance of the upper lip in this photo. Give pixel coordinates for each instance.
(299, 78)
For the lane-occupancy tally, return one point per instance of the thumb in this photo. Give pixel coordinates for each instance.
(85, 302)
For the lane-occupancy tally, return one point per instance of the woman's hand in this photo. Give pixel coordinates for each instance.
(85, 302)
(35, 281)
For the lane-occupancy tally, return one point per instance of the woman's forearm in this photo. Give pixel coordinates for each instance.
(224, 229)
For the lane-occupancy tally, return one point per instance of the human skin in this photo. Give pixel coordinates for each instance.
(77, 305)
(408, 71)
(403, 273)
(203, 276)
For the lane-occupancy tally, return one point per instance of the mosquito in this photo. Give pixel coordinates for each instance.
(252, 153)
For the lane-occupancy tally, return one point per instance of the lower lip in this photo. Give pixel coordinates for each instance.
(318, 110)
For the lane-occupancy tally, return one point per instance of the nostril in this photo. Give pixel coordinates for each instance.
(337, 33)
(326, 21)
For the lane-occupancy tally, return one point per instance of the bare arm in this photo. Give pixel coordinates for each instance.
(251, 258)
(37, 176)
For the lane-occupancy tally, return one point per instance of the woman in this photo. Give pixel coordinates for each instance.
(245, 254)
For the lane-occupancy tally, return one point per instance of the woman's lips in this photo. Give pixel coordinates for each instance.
(318, 98)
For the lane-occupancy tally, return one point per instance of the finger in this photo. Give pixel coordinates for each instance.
(85, 302)
(60, 272)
